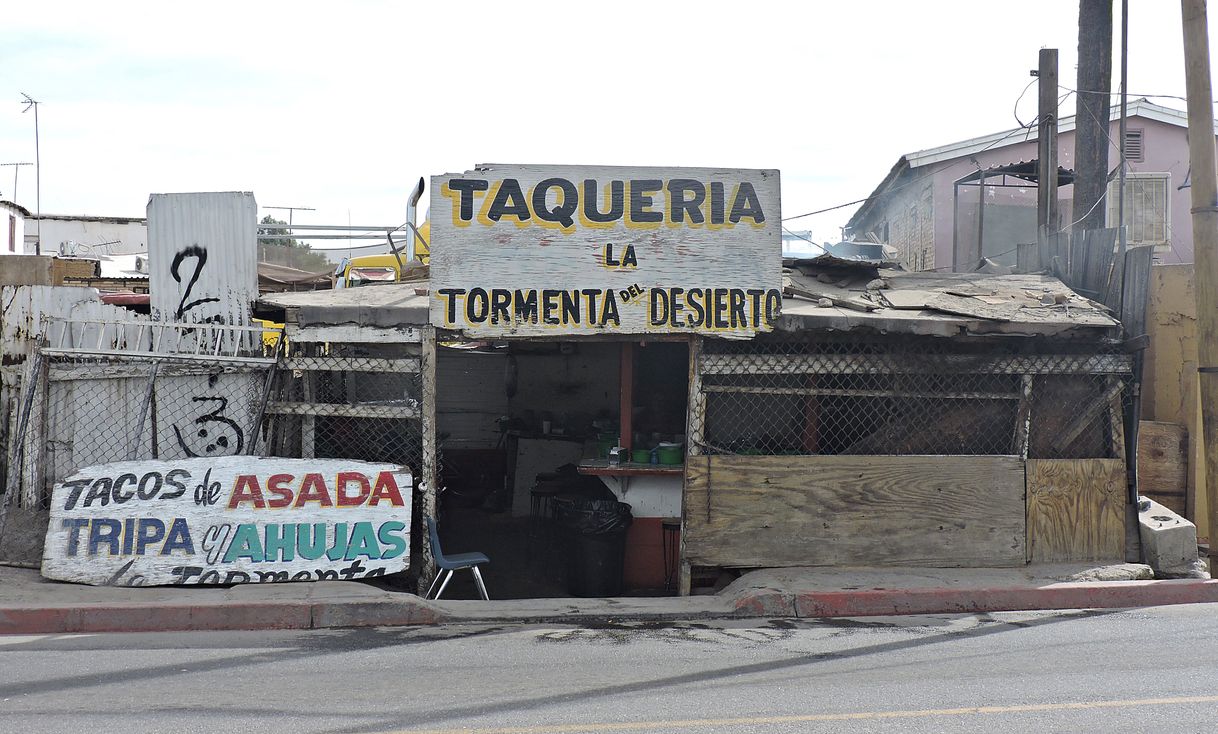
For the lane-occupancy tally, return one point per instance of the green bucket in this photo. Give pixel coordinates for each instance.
(670, 455)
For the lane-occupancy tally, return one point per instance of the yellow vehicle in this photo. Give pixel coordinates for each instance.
(368, 269)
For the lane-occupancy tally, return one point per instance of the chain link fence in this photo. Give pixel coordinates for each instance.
(897, 396)
(349, 401)
(88, 411)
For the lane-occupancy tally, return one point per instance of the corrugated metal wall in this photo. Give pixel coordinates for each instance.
(203, 256)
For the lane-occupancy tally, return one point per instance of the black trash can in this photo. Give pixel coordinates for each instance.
(596, 545)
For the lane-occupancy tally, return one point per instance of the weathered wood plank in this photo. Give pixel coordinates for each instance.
(1076, 510)
(835, 392)
(351, 333)
(861, 364)
(351, 364)
(850, 510)
(1163, 463)
(343, 410)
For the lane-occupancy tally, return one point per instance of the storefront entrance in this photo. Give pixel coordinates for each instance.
(539, 442)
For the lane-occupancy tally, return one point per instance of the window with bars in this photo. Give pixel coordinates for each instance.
(1147, 208)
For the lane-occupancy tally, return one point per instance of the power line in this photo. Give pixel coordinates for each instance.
(908, 183)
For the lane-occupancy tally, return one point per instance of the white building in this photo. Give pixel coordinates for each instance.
(12, 234)
(85, 236)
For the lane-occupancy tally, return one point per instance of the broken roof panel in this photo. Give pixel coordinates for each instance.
(815, 297)
(945, 304)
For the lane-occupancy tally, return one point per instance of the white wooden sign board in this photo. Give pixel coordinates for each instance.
(224, 520)
(568, 250)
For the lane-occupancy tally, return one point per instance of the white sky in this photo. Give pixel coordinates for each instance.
(341, 106)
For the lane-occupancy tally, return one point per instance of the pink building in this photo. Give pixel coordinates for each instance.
(937, 225)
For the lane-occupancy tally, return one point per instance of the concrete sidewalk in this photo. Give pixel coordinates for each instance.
(30, 604)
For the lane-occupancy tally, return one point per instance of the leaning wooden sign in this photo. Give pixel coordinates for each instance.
(227, 520)
(564, 250)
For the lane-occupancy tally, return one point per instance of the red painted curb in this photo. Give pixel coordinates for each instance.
(1088, 595)
(131, 617)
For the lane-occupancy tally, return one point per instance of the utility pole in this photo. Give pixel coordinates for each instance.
(1046, 144)
(1121, 228)
(1091, 123)
(16, 167)
(29, 102)
(1205, 240)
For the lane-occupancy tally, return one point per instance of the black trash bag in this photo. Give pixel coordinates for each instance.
(596, 545)
(594, 517)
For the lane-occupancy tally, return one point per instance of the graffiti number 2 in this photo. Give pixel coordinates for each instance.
(200, 257)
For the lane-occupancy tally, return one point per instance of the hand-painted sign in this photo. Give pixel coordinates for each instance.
(559, 250)
(231, 519)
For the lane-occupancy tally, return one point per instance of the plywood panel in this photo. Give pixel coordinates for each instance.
(1170, 390)
(852, 510)
(1076, 510)
(1163, 463)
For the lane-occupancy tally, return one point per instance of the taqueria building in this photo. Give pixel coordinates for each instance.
(588, 334)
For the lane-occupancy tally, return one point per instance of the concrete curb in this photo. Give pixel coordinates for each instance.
(896, 602)
(161, 617)
(410, 610)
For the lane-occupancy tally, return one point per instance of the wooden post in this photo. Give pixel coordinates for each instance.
(427, 427)
(1046, 143)
(1205, 239)
(695, 432)
(626, 403)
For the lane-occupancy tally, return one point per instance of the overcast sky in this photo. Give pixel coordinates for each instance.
(341, 106)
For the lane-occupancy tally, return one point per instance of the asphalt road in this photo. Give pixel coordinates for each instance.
(1147, 670)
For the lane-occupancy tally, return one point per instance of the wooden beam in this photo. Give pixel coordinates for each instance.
(835, 392)
(342, 410)
(351, 333)
(1205, 239)
(1023, 418)
(867, 364)
(1084, 419)
(430, 480)
(626, 402)
(351, 364)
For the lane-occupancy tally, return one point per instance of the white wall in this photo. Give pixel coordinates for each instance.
(91, 236)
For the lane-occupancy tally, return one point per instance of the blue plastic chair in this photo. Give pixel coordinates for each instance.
(455, 562)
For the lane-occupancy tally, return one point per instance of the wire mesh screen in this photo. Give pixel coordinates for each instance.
(351, 402)
(96, 411)
(908, 398)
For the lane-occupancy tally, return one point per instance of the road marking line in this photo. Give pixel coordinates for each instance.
(855, 716)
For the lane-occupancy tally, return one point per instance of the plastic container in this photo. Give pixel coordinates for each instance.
(670, 454)
(640, 456)
(596, 535)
